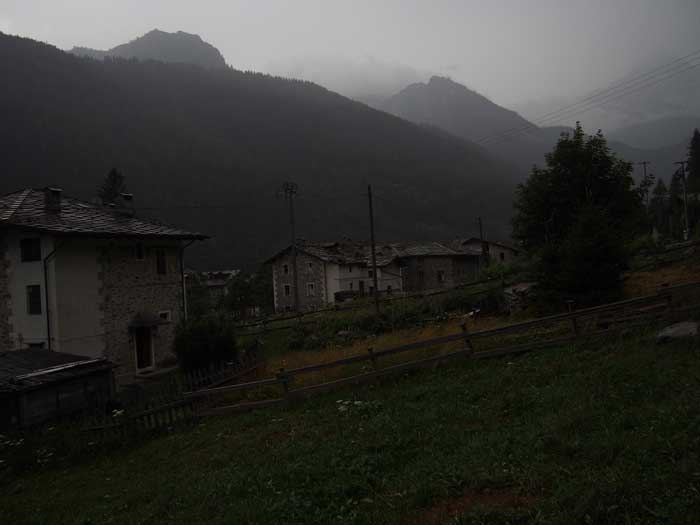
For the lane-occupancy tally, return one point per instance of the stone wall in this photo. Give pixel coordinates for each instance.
(131, 287)
(428, 273)
(5, 308)
(311, 272)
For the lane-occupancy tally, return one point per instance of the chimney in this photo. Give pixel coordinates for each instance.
(127, 207)
(52, 199)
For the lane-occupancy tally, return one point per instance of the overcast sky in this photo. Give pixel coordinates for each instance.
(510, 50)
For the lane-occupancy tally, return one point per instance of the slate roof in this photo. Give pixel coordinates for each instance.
(27, 209)
(52, 367)
(360, 252)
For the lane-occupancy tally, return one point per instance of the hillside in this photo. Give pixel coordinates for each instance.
(659, 133)
(587, 434)
(165, 47)
(508, 136)
(209, 149)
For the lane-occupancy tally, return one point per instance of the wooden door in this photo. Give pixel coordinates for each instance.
(144, 347)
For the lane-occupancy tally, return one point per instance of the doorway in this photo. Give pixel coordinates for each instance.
(143, 340)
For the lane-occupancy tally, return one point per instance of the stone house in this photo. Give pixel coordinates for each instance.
(91, 281)
(331, 272)
(498, 252)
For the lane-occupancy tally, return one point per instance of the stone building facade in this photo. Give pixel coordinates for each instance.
(329, 272)
(90, 281)
(134, 295)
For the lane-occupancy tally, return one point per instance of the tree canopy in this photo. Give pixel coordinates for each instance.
(112, 187)
(577, 212)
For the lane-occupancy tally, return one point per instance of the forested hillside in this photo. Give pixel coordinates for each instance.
(208, 149)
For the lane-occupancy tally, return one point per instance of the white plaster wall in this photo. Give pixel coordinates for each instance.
(332, 282)
(78, 315)
(25, 328)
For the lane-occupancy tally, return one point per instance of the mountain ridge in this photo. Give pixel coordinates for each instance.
(208, 150)
(163, 46)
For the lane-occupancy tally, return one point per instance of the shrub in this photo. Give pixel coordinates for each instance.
(206, 340)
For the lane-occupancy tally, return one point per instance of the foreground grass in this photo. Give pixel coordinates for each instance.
(590, 434)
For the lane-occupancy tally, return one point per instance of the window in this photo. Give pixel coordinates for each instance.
(287, 308)
(502, 256)
(285, 269)
(311, 267)
(34, 299)
(351, 285)
(421, 276)
(350, 269)
(166, 315)
(30, 249)
(161, 266)
(139, 252)
(310, 289)
(370, 273)
(36, 346)
(287, 290)
(388, 289)
(441, 276)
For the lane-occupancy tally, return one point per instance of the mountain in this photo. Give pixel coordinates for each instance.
(663, 132)
(165, 47)
(508, 136)
(209, 149)
(465, 113)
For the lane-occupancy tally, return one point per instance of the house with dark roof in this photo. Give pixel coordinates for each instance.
(330, 272)
(493, 251)
(90, 280)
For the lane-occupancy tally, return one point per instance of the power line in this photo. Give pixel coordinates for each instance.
(622, 88)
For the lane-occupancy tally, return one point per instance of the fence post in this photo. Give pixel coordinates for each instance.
(571, 305)
(373, 358)
(468, 347)
(285, 379)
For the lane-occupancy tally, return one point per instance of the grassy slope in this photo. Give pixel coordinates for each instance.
(573, 435)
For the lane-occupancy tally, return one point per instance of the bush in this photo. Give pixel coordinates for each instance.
(206, 340)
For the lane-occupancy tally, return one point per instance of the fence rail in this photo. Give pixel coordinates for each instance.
(611, 317)
(265, 323)
(583, 324)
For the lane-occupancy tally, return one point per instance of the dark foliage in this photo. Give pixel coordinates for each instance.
(577, 213)
(112, 187)
(247, 292)
(209, 148)
(205, 340)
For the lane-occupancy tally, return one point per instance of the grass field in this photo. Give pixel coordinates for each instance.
(597, 433)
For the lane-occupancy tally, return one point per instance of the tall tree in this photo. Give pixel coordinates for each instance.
(583, 202)
(112, 187)
(694, 163)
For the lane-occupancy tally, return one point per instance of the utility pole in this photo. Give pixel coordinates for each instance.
(290, 190)
(644, 165)
(484, 244)
(682, 168)
(374, 248)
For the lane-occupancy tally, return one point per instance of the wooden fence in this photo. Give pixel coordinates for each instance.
(267, 325)
(165, 405)
(559, 329)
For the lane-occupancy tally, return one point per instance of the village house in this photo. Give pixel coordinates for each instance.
(328, 273)
(498, 252)
(88, 280)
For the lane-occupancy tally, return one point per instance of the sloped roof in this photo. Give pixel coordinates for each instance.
(471, 240)
(27, 209)
(27, 369)
(360, 252)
